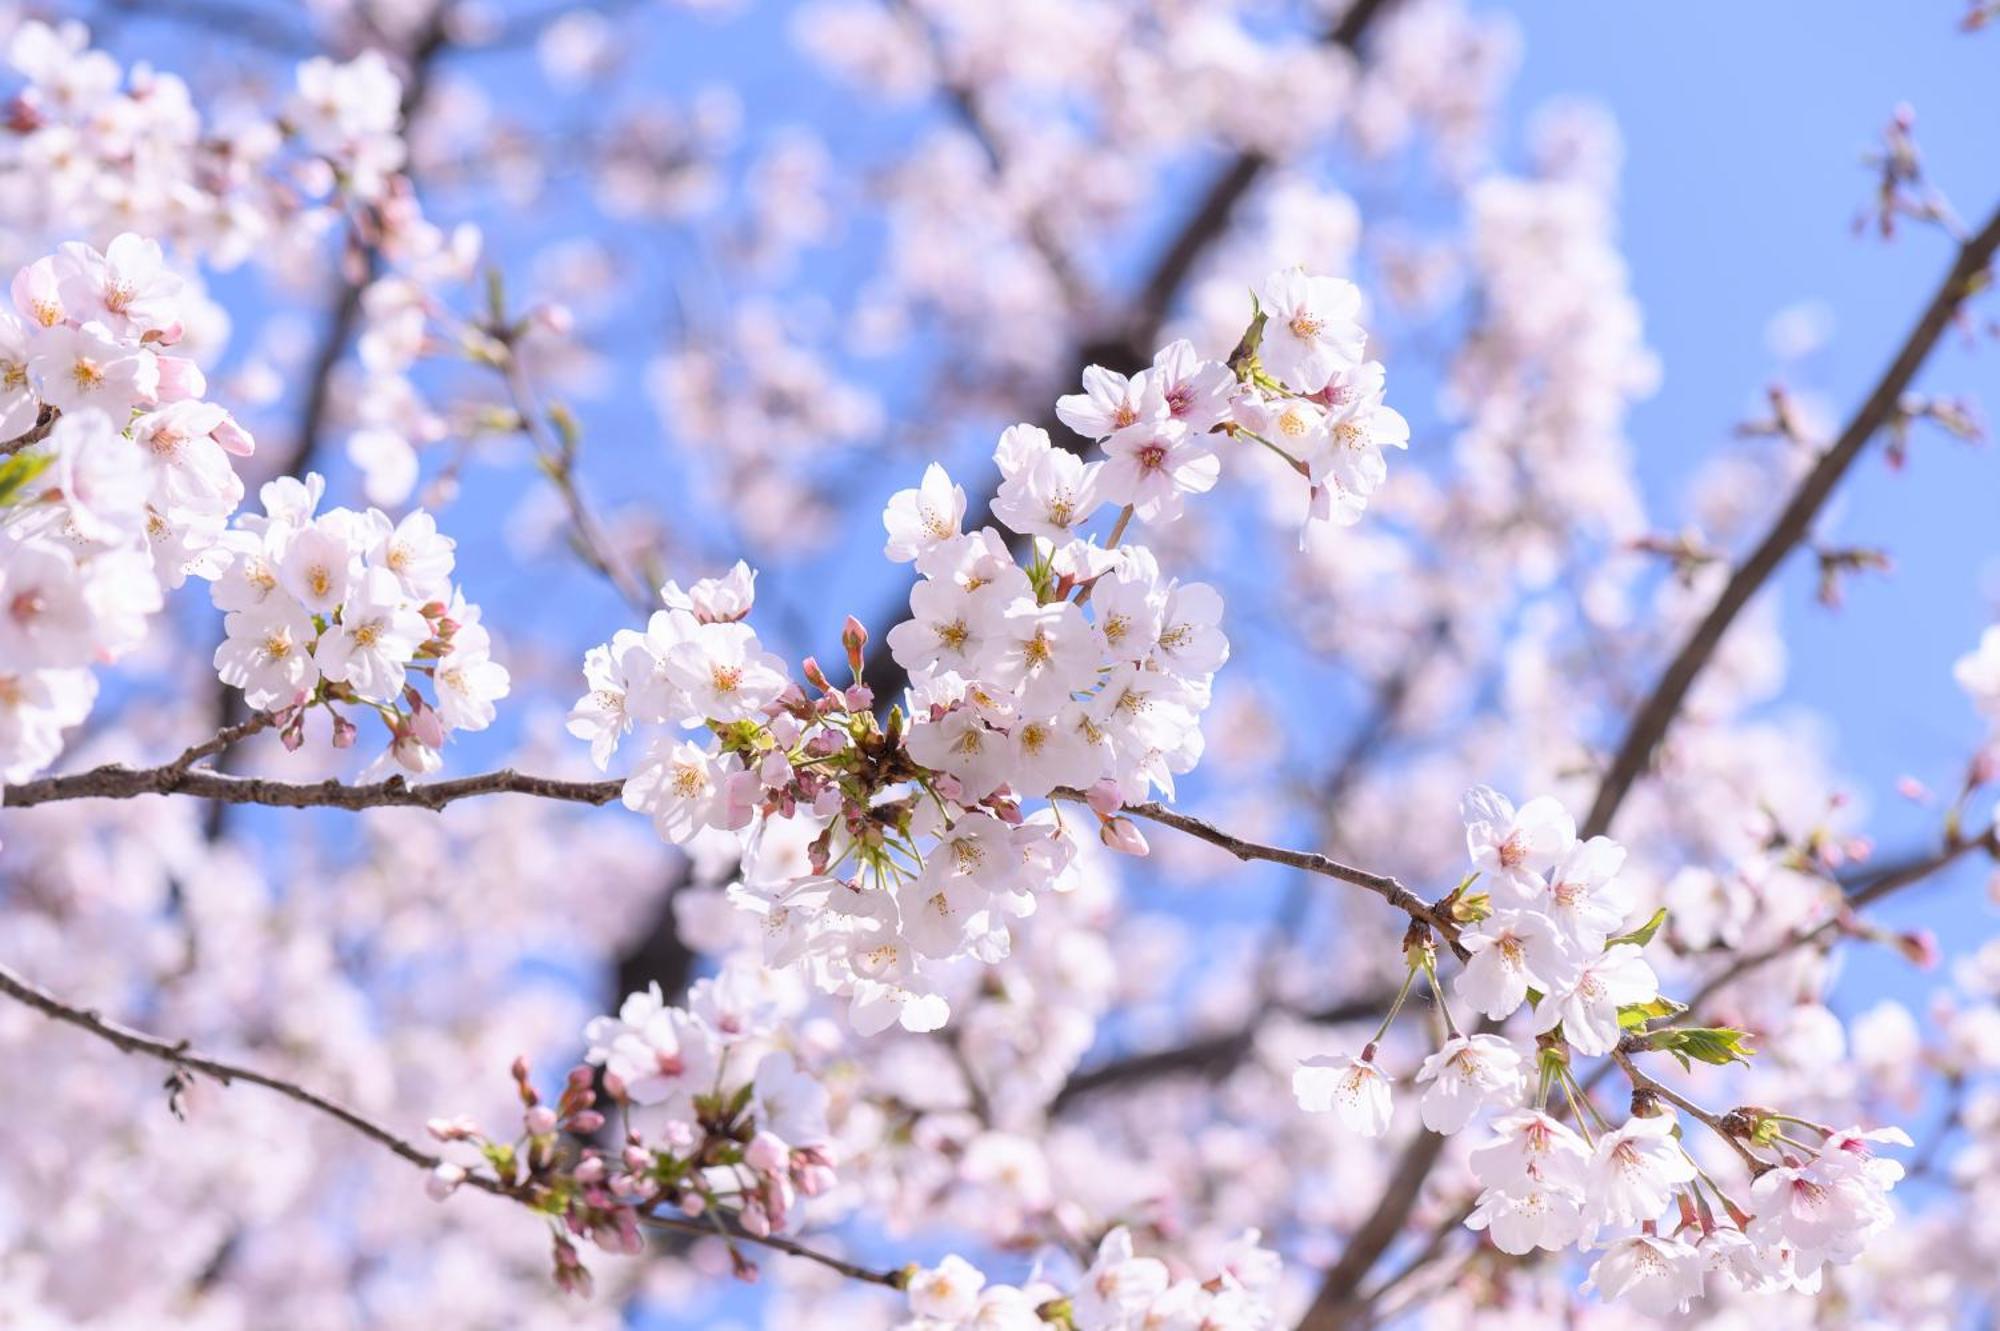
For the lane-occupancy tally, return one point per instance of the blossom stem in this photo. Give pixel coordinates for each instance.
(1394, 1008)
(1641, 1081)
(1437, 991)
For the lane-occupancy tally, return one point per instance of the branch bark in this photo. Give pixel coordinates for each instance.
(1335, 1306)
(1967, 275)
(184, 1061)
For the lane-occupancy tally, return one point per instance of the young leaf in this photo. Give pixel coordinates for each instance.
(18, 471)
(1644, 933)
(1635, 1015)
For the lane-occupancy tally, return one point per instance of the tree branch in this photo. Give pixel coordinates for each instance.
(1382, 885)
(1214, 1056)
(1967, 275)
(1335, 1305)
(114, 781)
(184, 1060)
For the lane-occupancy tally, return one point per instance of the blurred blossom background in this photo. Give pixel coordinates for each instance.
(777, 257)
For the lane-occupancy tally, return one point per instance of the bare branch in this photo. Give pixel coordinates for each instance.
(1382, 885)
(1967, 276)
(184, 1060)
(114, 781)
(1214, 1056)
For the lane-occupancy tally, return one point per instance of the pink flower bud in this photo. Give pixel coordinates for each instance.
(767, 1154)
(1919, 947)
(427, 725)
(180, 379)
(443, 1181)
(233, 438)
(1104, 799)
(1124, 836)
(586, 1122)
(540, 1121)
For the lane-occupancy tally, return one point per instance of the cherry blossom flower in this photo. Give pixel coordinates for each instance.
(923, 518)
(1657, 1276)
(1634, 1171)
(1311, 329)
(1586, 1007)
(1513, 951)
(1465, 1075)
(1355, 1089)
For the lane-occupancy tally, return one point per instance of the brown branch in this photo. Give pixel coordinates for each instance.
(1887, 883)
(179, 1056)
(713, 1226)
(1967, 275)
(1382, 885)
(114, 781)
(1643, 1081)
(1213, 1056)
(558, 456)
(1335, 1304)
(185, 1060)
(40, 430)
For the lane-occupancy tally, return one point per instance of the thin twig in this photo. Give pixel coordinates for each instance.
(1382, 885)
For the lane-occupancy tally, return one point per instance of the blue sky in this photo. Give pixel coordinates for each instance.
(1742, 179)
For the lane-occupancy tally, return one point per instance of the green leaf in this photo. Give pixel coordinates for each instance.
(1635, 1015)
(1644, 933)
(1717, 1045)
(17, 472)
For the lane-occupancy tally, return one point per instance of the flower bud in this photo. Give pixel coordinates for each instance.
(854, 637)
(767, 1154)
(443, 1181)
(1124, 836)
(1103, 798)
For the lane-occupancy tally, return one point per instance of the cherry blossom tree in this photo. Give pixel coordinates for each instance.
(1026, 683)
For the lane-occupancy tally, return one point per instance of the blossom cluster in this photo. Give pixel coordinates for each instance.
(1119, 1291)
(1543, 932)
(710, 1114)
(1080, 667)
(116, 478)
(88, 145)
(1298, 384)
(339, 610)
